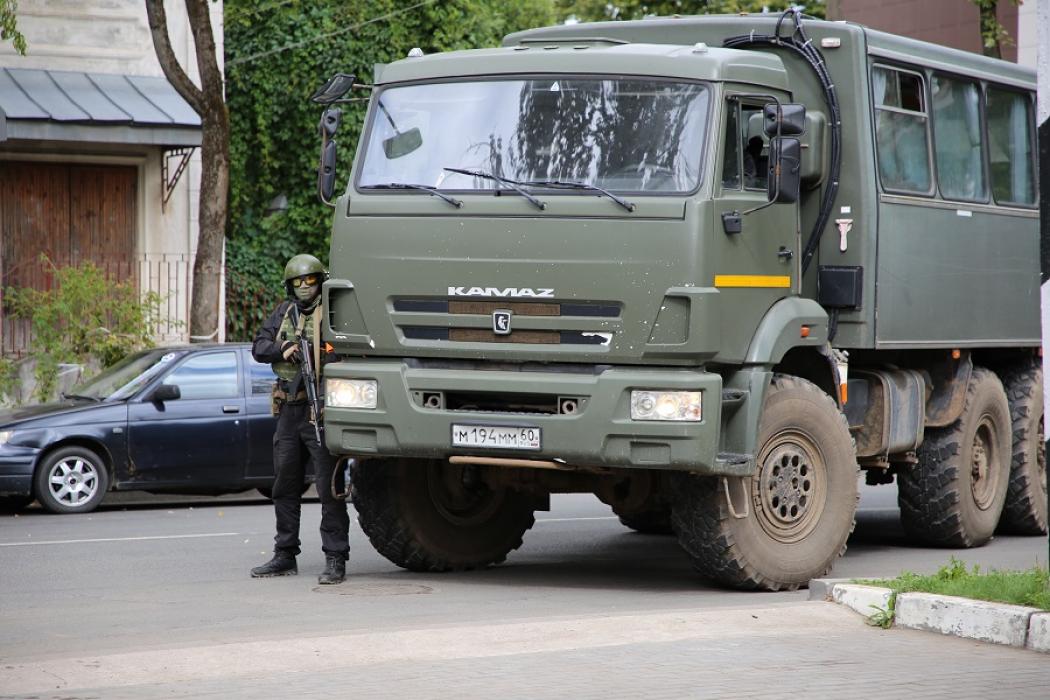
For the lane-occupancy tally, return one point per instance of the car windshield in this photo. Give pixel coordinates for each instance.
(127, 376)
(628, 135)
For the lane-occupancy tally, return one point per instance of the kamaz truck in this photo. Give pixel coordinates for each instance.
(708, 269)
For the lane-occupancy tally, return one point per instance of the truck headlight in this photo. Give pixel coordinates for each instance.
(653, 404)
(5, 435)
(351, 393)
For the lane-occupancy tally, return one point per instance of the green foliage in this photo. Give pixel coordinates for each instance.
(599, 10)
(86, 314)
(883, 617)
(9, 25)
(277, 54)
(993, 34)
(1030, 587)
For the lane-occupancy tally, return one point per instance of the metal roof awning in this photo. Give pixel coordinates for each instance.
(54, 105)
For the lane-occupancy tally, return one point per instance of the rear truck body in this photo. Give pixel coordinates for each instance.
(707, 351)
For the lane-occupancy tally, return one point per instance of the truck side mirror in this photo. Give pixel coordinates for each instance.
(329, 154)
(784, 119)
(785, 170)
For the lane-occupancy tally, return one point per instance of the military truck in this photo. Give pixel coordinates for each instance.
(706, 268)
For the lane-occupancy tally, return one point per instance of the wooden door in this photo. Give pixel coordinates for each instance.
(70, 213)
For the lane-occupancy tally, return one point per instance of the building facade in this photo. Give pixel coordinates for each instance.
(98, 153)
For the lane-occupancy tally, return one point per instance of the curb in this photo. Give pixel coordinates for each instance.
(998, 623)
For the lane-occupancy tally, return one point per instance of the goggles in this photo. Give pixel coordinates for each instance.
(305, 281)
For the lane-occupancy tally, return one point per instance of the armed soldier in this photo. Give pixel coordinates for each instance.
(298, 435)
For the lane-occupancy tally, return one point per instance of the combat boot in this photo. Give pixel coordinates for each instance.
(334, 570)
(281, 565)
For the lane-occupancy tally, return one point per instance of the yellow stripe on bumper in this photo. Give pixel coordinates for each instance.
(783, 281)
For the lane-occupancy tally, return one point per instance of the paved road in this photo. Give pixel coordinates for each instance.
(155, 601)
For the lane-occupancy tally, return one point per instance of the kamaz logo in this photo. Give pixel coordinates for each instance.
(500, 292)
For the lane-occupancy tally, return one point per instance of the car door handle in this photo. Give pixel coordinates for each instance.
(231, 409)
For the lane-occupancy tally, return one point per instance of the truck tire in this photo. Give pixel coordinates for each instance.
(954, 495)
(652, 521)
(420, 515)
(799, 506)
(1025, 512)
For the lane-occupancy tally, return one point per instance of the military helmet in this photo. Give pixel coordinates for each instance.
(303, 265)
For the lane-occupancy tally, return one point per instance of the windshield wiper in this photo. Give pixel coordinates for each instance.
(81, 396)
(629, 206)
(514, 184)
(425, 188)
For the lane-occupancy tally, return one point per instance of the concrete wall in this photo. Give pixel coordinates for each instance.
(112, 36)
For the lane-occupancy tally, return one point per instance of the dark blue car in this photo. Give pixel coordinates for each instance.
(190, 420)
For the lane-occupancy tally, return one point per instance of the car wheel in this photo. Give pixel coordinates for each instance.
(71, 480)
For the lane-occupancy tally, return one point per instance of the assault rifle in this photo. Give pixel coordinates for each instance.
(309, 372)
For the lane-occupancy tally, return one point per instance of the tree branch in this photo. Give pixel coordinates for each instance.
(158, 26)
(204, 41)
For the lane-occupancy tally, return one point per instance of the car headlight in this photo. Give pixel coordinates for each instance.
(653, 404)
(351, 393)
(5, 435)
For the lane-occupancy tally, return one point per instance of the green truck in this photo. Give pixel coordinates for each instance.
(706, 268)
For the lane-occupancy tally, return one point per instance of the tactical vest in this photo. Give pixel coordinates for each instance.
(288, 371)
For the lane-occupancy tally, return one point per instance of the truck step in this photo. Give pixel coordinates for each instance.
(732, 399)
(734, 463)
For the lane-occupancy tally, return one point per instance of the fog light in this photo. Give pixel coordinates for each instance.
(666, 405)
(351, 393)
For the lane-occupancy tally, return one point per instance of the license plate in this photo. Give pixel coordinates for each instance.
(495, 437)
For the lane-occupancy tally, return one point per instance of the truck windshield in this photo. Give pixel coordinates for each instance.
(628, 135)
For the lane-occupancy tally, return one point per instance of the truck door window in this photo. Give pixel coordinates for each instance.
(731, 154)
(755, 147)
(901, 133)
(958, 138)
(1010, 146)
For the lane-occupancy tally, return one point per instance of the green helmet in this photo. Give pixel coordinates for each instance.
(303, 265)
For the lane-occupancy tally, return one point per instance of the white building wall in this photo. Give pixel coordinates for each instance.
(1028, 32)
(112, 36)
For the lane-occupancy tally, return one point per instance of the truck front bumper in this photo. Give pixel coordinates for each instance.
(600, 433)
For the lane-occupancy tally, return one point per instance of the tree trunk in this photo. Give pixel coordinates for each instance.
(208, 102)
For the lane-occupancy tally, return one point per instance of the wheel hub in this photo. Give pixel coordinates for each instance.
(458, 498)
(984, 476)
(73, 481)
(790, 488)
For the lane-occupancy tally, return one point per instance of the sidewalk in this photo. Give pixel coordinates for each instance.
(804, 649)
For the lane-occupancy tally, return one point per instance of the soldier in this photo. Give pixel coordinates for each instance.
(295, 440)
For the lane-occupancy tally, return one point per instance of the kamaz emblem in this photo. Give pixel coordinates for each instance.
(501, 322)
(500, 292)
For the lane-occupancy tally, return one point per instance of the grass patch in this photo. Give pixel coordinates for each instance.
(1030, 588)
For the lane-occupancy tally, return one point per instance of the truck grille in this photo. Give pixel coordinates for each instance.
(469, 321)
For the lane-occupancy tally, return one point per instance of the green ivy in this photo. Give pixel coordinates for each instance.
(274, 144)
(86, 314)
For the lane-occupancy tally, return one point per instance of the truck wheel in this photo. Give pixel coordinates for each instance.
(653, 521)
(1025, 509)
(954, 495)
(71, 480)
(420, 515)
(790, 520)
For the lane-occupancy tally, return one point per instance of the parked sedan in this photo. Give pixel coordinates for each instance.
(191, 419)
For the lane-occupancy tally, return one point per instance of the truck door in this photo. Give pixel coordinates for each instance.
(758, 265)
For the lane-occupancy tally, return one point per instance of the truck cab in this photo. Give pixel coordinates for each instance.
(653, 261)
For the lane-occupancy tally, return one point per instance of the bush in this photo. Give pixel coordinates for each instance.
(85, 315)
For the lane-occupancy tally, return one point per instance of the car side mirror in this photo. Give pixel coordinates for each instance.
(785, 170)
(165, 392)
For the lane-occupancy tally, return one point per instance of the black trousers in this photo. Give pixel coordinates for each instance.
(293, 444)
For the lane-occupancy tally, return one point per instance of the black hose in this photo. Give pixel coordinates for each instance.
(798, 42)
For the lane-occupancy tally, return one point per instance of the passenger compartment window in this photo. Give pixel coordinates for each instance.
(1010, 146)
(958, 138)
(208, 376)
(901, 130)
(746, 156)
(731, 155)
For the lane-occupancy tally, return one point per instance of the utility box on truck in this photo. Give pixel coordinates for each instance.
(706, 268)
